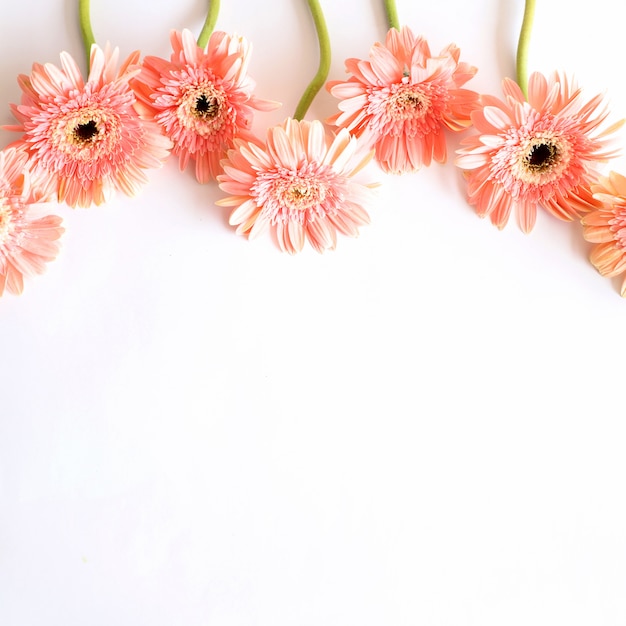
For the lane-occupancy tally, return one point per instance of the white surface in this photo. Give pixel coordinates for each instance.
(425, 426)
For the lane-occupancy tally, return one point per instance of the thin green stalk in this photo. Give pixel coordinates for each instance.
(392, 14)
(523, 45)
(324, 67)
(85, 28)
(209, 23)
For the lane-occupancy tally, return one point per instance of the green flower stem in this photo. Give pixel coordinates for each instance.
(523, 46)
(392, 14)
(209, 23)
(85, 28)
(324, 67)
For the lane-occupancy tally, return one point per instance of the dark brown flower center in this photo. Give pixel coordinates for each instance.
(206, 107)
(85, 133)
(542, 157)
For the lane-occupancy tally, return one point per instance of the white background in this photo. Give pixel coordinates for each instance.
(425, 426)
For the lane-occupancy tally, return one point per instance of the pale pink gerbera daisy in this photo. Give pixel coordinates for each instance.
(87, 138)
(300, 184)
(540, 151)
(606, 227)
(27, 241)
(402, 99)
(202, 98)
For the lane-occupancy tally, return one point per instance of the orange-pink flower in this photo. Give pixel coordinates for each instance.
(300, 184)
(403, 98)
(202, 98)
(86, 137)
(541, 151)
(27, 239)
(606, 227)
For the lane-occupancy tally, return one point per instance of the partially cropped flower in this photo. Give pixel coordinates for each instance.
(403, 98)
(541, 151)
(606, 227)
(201, 97)
(27, 239)
(86, 137)
(300, 185)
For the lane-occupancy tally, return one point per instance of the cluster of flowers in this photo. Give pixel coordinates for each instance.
(81, 140)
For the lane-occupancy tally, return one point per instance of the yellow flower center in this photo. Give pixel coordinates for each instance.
(299, 193)
(304, 194)
(408, 102)
(6, 223)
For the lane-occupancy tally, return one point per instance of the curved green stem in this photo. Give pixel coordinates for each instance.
(85, 28)
(392, 14)
(209, 23)
(324, 67)
(523, 46)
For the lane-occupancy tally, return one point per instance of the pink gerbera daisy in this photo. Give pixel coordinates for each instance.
(402, 99)
(27, 241)
(202, 98)
(87, 138)
(300, 184)
(540, 151)
(606, 227)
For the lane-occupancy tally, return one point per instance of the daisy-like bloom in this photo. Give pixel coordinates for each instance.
(541, 151)
(402, 100)
(202, 98)
(86, 137)
(606, 227)
(299, 184)
(27, 242)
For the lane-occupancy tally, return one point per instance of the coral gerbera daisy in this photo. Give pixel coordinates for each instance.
(300, 184)
(201, 97)
(606, 227)
(27, 241)
(543, 150)
(402, 99)
(87, 137)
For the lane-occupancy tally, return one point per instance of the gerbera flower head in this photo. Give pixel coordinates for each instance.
(606, 227)
(403, 98)
(201, 97)
(27, 242)
(86, 137)
(541, 151)
(299, 184)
